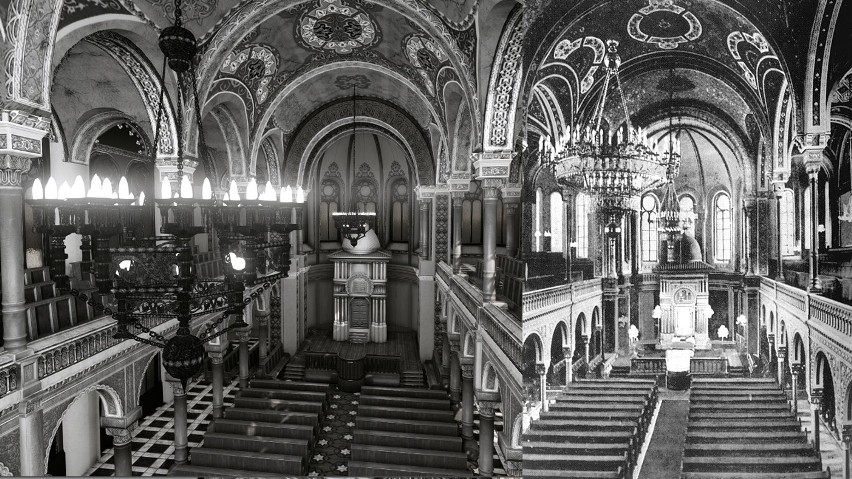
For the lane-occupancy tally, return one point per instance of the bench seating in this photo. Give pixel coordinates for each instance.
(594, 428)
(743, 428)
(406, 432)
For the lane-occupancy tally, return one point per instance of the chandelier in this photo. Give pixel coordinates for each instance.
(616, 165)
(144, 281)
(354, 224)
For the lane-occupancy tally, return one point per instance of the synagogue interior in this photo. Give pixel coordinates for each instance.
(687, 310)
(261, 238)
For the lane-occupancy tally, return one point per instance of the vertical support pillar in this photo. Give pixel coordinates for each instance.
(244, 358)
(845, 442)
(778, 189)
(782, 359)
(486, 438)
(511, 227)
(797, 369)
(569, 372)
(490, 196)
(181, 449)
(455, 375)
(467, 401)
(585, 339)
(425, 223)
(541, 370)
(31, 424)
(813, 168)
(263, 334)
(816, 406)
(12, 252)
(120, 428)
(458, 199)
(216, 360)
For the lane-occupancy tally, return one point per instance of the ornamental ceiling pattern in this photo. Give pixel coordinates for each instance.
(333, 25)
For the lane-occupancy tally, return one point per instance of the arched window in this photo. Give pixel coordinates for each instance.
(399, 211)
(788, 223)
(648, 228)
(557, 215)
(723, 227)
(581, 209)
(537, 234)
(328, 205)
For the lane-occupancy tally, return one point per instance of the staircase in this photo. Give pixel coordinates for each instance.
(406, 432)
(270, 430)
(295, 369)
(830, 453)
(360, 336)
(412, 379)
(595, 428)
(743, 428)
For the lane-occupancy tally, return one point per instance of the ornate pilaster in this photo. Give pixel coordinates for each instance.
(816, 408)
(486, 436)
(812, 147)
(511, 204)
(459, 185)
(467, 399)
(490, 196)
(778, 190)
(243, 337)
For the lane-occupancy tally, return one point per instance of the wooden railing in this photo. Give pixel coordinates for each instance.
(647, 366)
(511, 266)
(321, 361)
(382, 364)
(709, 366)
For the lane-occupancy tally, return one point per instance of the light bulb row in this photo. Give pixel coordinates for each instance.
(77, 190)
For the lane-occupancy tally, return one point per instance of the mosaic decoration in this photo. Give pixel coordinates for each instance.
(272, 162)
(666, 25)
(425, 56)
(844, 91)
(332, 25)
(467, 41)
(196, 10)
(820, 72)
(30, 28)
(566, 48)
(757, 42)
(442, 217)
(73, 10)
(254, 65)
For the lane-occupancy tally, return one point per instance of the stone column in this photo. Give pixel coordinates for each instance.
(813, 168)
(263, 334)
(816, 405)
(541, 370)
(782, 356)
(425, 223)
(845, 443)
(585, 339)
(510, 225)
(216, 360)
(455, 374)
(797, 369)
(31, 442)
(486, 438)
(458, 199)
(467, 401)
(778, 188)
(244, 358)
(12, 252)
(120, 428)
(181, 449)
(569, 372)
(490, 196)
(445, 355)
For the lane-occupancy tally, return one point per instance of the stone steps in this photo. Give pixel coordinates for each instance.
(248, 460)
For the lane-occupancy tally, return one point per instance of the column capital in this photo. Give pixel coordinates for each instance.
(21, 133)
(816, 398)
(487, 408)
(177, 387)
(797, 369)
(492, 164)
(782, 352)
(467, 370)
(491, 187)
(12, 169)
(455, 345)
(846, 434)
(540, 369)
(243, 335)
(566, 352)
(120, 436)
(30, 406)
(216, 357)
(778, 187)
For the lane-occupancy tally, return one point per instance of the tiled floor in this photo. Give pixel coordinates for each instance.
(153, 439)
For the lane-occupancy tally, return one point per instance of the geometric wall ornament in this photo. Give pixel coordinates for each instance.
(255, 65)
(424, 55)
(667, 26)
(332, 25)
(755, 41)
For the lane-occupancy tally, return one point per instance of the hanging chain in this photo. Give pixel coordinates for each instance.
(623, 101)
(160, 109)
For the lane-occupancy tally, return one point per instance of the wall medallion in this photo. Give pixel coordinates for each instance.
(333, 25)
(664, 24)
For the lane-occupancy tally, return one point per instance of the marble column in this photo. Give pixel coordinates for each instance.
(263, 335)
(490, 196)
(425, 223)
(585, 339)
(123, 455)
(778, 188)
(31, 442)
(541, 370)
(797, 369)
(12, 252)
(445, 356)
(486, 438)
(510, 225)
(455, 375)
(181, 449)
(467, 401)
(816, 405)
(782, 356)
(813, 169)
(569, 372)
(216, 360)
(845, 444)
(243, 336)
(458, 199)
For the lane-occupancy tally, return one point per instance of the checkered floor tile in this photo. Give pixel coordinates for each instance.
(153, 439)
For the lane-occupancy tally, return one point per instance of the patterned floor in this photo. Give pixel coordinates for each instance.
(331, 452)
(153, 439)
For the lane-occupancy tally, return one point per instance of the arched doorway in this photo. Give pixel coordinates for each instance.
(76, 443)
(825, 380)
(556, 372)
(798, 356)
(532, 356)
(151, 389)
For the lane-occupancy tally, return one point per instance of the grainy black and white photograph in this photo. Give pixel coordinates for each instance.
(426, 238)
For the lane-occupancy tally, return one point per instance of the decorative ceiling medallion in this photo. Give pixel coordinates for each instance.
(255, 65)
(666, 25)
(425, 56)
(332, 25)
